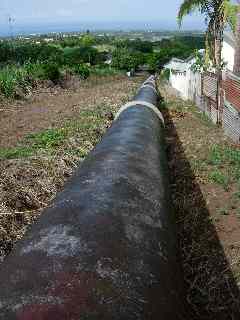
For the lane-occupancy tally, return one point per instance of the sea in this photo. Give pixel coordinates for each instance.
(16, 29)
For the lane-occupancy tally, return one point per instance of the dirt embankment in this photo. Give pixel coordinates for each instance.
(204, 171)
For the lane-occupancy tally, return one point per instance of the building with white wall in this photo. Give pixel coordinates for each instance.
(187, 82)
(178, 74)
(228, 50)
(183, 78)
(202, 87)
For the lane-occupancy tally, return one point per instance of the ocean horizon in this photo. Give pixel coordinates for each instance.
(16, 29)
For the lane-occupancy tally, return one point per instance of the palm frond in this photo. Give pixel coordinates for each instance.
(188, 7)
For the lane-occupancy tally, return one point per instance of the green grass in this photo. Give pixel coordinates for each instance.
(223, 211)
(10, 79)
(48, 139)
(87, 129)
(204, 118)
(218, 177)
(236, 195)
(225, 163)
(106, 71)
(15, 153)
(225, 154)
(13, 78)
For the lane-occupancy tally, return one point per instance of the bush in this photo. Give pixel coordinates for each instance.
(20, 53)
(35, 71)
(12, 78)
(104, 71)
(165, 74)
(81, 54)
(123, 59)
(51, 72)
(82, 70)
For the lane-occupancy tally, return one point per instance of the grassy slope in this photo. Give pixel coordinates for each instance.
(205, 180)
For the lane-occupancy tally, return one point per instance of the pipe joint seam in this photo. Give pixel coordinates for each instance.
(140, 103)
(150, 80)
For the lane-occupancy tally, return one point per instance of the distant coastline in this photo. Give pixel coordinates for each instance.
(46, 28)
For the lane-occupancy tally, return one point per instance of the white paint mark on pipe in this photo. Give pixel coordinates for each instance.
(140, 103)
(56, 241)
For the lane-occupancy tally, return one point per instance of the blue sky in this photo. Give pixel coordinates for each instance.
(157, 12)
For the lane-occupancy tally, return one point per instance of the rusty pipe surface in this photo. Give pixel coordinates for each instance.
(106, 249)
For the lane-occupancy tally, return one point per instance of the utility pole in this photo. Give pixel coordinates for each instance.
(11, 21)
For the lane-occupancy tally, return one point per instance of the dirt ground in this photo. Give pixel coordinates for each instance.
(49, 107)
(207, 211)
(67, 124)
(206, 204)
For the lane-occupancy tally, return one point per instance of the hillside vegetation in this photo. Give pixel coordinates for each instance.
(26, 64)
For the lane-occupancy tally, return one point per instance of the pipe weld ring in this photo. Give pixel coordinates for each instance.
(140, 103)
(153, 80)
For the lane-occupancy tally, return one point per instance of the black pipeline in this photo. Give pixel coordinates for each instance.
(106, 249)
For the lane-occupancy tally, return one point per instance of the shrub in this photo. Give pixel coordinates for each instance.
(81, 54)
(12, 78)
(51, 72)
(82, 70)
(104, 71)
(34, 70)
(123, 59)
(165, 74)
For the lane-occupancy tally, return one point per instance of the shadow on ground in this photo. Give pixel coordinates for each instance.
(212, 292)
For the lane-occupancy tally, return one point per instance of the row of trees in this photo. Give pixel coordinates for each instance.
(126, 54)
(19, 53)
(131, 54)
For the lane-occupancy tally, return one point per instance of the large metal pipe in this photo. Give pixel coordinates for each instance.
(106, 249)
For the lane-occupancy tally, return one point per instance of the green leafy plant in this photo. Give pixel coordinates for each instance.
(52, 72)
(48, 139)
(218, 177)
(82, 70)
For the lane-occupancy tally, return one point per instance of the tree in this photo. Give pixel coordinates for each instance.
(237, 53)
(123, 59)
(218, 13)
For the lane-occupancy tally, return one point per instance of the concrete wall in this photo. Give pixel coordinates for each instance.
(178, 81)
(228, 53)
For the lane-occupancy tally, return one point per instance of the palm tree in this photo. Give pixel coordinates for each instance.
(236, 68)
(217, 13)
